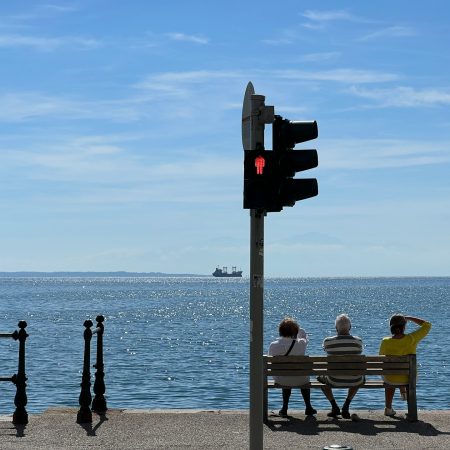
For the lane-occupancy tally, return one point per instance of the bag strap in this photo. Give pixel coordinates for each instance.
(290, 348)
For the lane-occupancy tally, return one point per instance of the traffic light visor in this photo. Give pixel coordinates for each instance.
(294, 161)
(298, 189)
(301, 131)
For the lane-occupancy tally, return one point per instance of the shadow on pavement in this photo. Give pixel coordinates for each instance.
(91, 430)
(9, 429)
(369, 427)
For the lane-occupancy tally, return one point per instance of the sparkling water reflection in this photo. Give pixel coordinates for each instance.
(183, 342)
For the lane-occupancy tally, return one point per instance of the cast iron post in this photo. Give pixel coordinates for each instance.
(84, 414)
(20, 416)
(99, 402)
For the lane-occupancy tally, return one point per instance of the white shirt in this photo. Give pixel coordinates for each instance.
(280, 348)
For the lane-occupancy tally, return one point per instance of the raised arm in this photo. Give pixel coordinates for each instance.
(421, 332)
(415, 320)
(302, 334)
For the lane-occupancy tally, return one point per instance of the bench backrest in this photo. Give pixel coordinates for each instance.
(339, 365)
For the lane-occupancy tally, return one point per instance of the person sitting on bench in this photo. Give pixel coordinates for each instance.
(341, 344)
(400, 344)
(292, 341)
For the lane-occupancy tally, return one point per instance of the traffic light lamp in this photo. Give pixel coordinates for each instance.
(258, 179)
(286, 134)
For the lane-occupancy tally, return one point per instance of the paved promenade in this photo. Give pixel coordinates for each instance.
(192, 429)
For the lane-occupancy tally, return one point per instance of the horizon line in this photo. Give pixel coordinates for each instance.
(125, 273)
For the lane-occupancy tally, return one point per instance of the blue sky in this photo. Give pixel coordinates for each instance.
(120, 134)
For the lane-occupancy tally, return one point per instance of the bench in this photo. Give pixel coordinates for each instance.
(369, 366)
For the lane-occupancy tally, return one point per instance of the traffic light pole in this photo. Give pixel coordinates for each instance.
(256, 327)
(256, 291)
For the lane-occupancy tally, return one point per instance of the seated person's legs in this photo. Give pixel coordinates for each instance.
(286, 397)
(335, 411)
(389, 392)
(309, 410)
(403, 393)
(345, 408)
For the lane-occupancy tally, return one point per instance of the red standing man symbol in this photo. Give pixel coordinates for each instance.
(260, 162)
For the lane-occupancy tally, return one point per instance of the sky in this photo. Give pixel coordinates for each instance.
(120, 134)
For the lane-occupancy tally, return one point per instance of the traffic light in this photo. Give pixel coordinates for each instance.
(287, 162)
(258, 179)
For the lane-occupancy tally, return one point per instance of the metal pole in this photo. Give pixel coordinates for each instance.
(20, 416)
(256, 328)
(256, 294)
(84, 414)
(99, 402)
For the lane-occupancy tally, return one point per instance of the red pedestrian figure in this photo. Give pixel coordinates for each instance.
(260, 162)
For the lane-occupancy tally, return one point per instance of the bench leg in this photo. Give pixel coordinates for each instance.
(412, 404)
(412, 397)
(265, 405)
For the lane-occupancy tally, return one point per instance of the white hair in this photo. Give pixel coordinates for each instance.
(343, 323)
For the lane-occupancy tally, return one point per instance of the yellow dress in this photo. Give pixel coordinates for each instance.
(404, 346)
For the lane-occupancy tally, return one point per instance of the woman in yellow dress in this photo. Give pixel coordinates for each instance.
(400, 344)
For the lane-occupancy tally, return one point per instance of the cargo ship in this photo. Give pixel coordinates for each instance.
(222, 273)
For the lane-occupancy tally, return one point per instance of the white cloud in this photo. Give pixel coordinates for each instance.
(381, 153)
(25, 106)
(176, 83)
(177, 94)
(47, 43)
(350, 76)
(193, 94)
(114, 160)
(327, 16)
(278, 41)
(41, 12)
(61, 9)
(284, 37)
(320, 57)
(393, 31)
(188, 38)
(194, 76)
(402, 96)
(319, 20)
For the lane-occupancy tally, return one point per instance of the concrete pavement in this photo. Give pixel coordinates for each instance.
(193, 429)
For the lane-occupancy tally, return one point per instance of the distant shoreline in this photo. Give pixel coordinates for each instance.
(96, 274)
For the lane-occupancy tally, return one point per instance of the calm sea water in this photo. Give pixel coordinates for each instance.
(183, 342)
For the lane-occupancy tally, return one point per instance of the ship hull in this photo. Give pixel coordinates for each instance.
(219, 273)
(228, 275)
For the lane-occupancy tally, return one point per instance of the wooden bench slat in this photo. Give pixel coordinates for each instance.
(368, 372)
(402, 367)
(361, 370)
(340, 363)
(336, 358)
(369, 384)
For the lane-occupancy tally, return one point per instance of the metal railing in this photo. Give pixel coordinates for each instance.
(99, 403)
(20, 416)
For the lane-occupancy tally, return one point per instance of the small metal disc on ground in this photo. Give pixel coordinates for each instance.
(337, 447)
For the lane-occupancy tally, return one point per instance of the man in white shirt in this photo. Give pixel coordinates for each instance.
(292, 341)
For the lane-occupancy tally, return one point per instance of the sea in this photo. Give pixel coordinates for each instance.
(183, 342)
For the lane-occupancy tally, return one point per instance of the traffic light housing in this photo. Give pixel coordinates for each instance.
(286, 134)
(269, 182)
(258, 179)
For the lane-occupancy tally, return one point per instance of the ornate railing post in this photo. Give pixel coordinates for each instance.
(20, 416)
(99, 402)
(84, 414)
